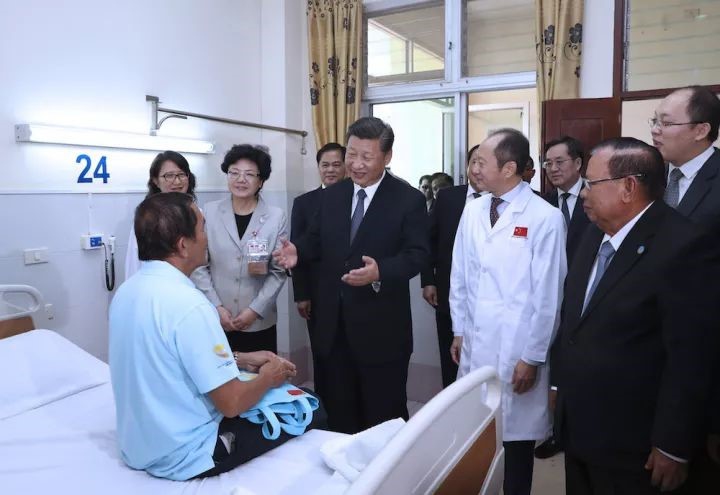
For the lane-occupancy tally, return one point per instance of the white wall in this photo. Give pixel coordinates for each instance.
(90, 64)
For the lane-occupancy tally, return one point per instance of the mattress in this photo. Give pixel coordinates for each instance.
(69, 447)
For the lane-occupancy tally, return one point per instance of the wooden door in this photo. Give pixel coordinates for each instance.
(590, 120)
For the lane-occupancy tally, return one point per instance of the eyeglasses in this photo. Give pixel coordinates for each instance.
(549, 163)
(589, 183)
(653, 122)
(234, 175)
(172, 177)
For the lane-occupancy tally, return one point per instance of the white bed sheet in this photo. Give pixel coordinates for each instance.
(69, 447)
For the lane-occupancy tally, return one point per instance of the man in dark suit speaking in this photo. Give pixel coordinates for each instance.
(369, 239)
(638, 334)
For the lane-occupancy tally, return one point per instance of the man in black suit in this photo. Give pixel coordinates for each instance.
(331, 168)
(425, 187)
(684, 128)
(435, 278)
(638, 334)
(563, 162)
(369, 239)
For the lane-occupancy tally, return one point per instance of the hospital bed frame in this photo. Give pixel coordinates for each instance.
(16, 319)
(451, 446)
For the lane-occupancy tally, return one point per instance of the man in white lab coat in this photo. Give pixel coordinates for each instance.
(508, 269)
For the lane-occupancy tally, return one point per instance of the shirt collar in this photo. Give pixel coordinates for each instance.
(513, 193)
(621, 234)
(574, 190)
(690, 168)
(369, 190)
(471, 192)
(164, 269)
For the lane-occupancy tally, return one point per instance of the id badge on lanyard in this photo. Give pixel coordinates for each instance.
(257, 254)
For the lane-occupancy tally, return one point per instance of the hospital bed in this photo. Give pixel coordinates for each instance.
(57, 432)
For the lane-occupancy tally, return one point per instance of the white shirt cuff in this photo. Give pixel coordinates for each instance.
(676, 459)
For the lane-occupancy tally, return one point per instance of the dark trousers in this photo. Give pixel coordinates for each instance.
(582, 478)
(445, 337)
(519, 463)
(317, 376)
(264, 340)
(358, 396)
(249, 441)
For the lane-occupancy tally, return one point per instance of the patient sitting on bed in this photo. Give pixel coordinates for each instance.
(173, 375)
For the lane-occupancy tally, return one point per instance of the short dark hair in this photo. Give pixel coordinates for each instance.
(160, 221)
(257, 154)
(177, 159)
(530, 164)
(330, 147)
(373, 128)
(443, 178)
(442, 175)
(471, 151)
(512, 147)
(574, 146)
(427, 177)
(632, 156)
(704, 106)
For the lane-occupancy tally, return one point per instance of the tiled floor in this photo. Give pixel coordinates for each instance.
(549, 476)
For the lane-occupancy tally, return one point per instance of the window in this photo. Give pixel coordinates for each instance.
(427, 61)
(423, 136)
(406, 46)
(499, 37)
(671, 43)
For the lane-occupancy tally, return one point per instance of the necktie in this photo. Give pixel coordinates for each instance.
(564, 208)
(603, 260)
(357, 215)
(476, 195)
(672, 191)
(494, 215)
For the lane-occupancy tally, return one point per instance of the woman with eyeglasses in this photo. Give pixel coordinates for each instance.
(169, 172)
(241, 279)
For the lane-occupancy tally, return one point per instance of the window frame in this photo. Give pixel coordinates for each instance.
(455, 85)
(620, 50)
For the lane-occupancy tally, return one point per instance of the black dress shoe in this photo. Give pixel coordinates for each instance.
(548, 448)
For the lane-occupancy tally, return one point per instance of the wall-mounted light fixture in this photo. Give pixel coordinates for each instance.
(40, 133)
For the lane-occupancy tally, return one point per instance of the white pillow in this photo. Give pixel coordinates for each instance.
(39, 367)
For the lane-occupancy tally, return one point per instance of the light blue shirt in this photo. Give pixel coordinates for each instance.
(167, 351)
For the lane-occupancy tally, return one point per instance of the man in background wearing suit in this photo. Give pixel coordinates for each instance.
(331, 168)
(684, 128)
(638, 335)
(425, 187)
(435, 278)
(563, 162)
(369, 239)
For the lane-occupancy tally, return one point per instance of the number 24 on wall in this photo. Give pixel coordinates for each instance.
(99, 173)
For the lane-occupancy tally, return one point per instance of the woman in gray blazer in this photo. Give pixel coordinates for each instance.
(241, 279)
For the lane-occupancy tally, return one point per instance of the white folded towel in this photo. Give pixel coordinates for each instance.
(349, 455)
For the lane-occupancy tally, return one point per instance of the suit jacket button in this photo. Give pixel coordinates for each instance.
(347, 264)
(571, 342)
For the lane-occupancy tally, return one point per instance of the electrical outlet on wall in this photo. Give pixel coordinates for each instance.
(36, 255)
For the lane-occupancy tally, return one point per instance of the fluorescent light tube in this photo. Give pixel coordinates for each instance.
(39, 133)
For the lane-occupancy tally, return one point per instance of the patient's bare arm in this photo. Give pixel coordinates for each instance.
(235, 397)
